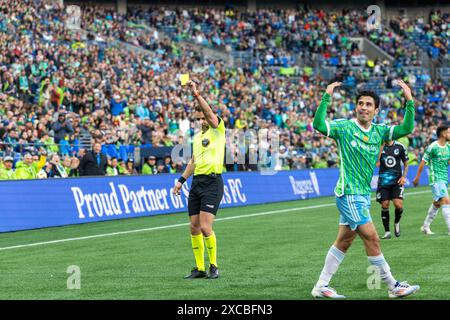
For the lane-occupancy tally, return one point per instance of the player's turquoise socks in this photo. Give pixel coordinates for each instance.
(199, 251)
(332, 262)
(211, 247)
(432, 212)
(385, 270)
(446, 214)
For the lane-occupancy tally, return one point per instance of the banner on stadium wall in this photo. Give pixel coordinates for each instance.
(31, 204)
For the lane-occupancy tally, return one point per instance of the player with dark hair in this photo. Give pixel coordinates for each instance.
(359, 141)
(437, 156)
(391, 181)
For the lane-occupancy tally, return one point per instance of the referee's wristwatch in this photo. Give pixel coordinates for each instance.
(182, 180)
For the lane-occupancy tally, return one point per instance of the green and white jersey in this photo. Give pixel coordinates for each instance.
(437, 157)
(358, 152)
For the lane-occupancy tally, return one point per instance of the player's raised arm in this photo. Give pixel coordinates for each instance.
(319, 122)
(407, 126)
(210, 117)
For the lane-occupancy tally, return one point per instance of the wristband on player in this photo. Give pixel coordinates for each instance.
(196, 94)
(181, 180)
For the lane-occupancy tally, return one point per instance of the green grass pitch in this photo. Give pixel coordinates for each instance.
(271, 251)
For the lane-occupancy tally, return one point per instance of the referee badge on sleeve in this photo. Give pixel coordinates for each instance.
(205, 142)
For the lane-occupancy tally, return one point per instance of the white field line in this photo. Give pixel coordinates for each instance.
(178, 225)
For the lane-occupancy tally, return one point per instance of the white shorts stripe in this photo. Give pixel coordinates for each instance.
(351, 208)
(357, 217)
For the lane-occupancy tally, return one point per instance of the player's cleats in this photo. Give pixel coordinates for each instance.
(426, 230)
(397, 230)
(402, 289)
(326, 292)
(213, 272)
(196, 274)
(387, 235)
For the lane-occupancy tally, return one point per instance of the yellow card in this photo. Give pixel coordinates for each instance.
(184, 78)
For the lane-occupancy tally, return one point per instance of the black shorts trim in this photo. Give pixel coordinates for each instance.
(205, 195)
(394, 191)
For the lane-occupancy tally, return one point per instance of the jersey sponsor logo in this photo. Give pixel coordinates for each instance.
(205, 142)
(390, 162)
(367, 147)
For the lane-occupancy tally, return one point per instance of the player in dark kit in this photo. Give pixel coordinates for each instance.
(391, 183)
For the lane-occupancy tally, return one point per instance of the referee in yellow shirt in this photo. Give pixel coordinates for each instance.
(206, 190)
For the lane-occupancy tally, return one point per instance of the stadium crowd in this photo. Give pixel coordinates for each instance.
(62, 91)
(434, 30)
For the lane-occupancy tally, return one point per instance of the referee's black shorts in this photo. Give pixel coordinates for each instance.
(205, 194)
(391, 192)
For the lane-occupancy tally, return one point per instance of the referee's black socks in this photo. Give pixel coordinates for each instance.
(385, 218)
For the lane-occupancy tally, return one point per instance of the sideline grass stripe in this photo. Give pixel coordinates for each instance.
(178, 225)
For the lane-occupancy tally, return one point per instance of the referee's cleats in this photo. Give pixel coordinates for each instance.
(213, 272)
(196, 274)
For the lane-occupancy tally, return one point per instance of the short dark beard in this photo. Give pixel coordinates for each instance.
(361, 123)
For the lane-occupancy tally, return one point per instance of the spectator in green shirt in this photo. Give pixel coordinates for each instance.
(113, 169)
(150, 166)
(319, 162)
(7, 172)
(27, 169)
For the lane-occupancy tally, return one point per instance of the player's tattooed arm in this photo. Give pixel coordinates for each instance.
(379, 155)
(319, 122)
(402, 179)
(419, 172)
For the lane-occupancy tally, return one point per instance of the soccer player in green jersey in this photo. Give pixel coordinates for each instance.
(437, 156)
(359, 142)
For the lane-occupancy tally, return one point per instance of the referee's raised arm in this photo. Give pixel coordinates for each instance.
(210, 117)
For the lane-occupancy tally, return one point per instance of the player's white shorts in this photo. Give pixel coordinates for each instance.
(354, 210)
(440, 190)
